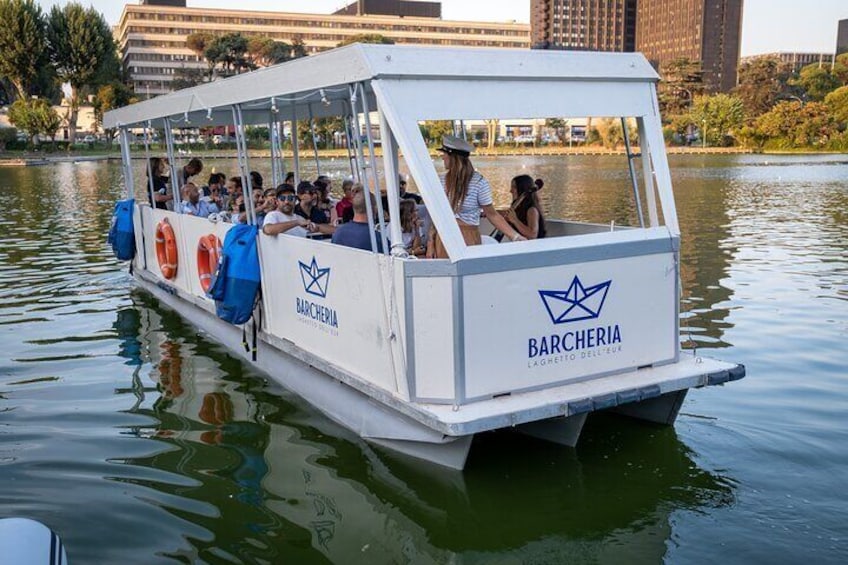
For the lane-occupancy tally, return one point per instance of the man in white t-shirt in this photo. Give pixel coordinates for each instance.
(283, 219)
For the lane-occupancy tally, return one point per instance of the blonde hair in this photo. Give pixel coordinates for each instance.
(457, 179)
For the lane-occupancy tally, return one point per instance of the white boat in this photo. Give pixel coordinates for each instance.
(420, 355)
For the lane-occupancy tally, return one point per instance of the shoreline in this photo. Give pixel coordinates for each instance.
(35, 159)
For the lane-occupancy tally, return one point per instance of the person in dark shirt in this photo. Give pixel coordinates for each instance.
(160, 196)
(307, 207)
(193, 167)
(402, 195)
(356, 233)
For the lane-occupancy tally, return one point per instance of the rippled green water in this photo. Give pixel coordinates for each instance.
(140, 441)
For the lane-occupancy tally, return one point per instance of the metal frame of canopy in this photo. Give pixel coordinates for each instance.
(405, 85)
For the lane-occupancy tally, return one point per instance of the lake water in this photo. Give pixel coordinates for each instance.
(140, 441)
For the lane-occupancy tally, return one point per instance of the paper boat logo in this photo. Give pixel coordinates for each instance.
(577, 303)
(315, 280)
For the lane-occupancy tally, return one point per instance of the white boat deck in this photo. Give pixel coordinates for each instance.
(586, 396)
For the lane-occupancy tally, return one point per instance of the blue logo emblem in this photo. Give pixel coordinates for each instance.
(577, 303)
(315, 280)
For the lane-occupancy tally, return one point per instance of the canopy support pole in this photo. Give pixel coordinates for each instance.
(349, 133)
(367, 114)
(176, 182)
(633, 180)
(129, 182)
(647, 173)
(147, 164)
(295, 149)
(360, 161)
(272, 139)
(314, 141)
(243, 165)
(390, 165)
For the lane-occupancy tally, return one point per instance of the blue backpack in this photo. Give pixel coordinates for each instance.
(235, 285)
(121, 235)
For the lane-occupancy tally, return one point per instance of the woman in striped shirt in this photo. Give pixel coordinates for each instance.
(468, 193)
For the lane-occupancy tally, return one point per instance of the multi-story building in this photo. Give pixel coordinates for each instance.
(584, 25)
(708, 31)
(795, 61)
(700, 30)
(842, 37)
(151, 36)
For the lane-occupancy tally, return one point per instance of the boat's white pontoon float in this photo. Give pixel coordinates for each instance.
(419, 355)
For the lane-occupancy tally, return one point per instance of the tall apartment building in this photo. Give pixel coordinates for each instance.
(701, 30)
(842, 37)
(151, 35)
(583, 25)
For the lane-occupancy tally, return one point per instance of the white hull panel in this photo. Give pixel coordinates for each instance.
(436, 432)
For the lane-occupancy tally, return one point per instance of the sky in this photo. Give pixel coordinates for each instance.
(767, 25)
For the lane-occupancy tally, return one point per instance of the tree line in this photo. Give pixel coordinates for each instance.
(771, 107)
(67, 53)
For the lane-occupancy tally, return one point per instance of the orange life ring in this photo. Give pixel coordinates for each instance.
(208, 253)
(166, 249)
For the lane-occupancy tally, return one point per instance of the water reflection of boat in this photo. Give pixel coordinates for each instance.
(419, 356)
(279, 482)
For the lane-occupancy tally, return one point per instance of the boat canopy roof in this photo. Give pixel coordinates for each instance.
(422, 83)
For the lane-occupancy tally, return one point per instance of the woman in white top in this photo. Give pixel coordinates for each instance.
(410, 226)
(468, 193)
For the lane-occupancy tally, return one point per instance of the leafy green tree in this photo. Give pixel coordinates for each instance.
(719, 116)
(230, 52)
(47, 120)
(610, 132)
(7, 135)
(80, 45)
(22, 116)
(35, 116)
(840, 69)
(198, 43)
(367, 38)
(264, 51)
(817, 81)
(187, 77)
(298, 48)
(794, 124)
(761, 83)
(682, 80)
(837, 103)
(433, 131)
(22, 42)
(558, 125)
(108, 97)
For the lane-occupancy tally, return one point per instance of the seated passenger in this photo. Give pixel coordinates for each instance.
(234, 188)
(283, 219)
(216, 193)
(193, 205)
(404, 195)
(193, 167)
(306, 207)
(356, 232)
(158, 176)
(267, 204)
(410, 227)
(325, 202)
(525, 213)
(256, 180)
(344, 208)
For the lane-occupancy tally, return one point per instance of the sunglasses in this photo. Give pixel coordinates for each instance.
(287, 198)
